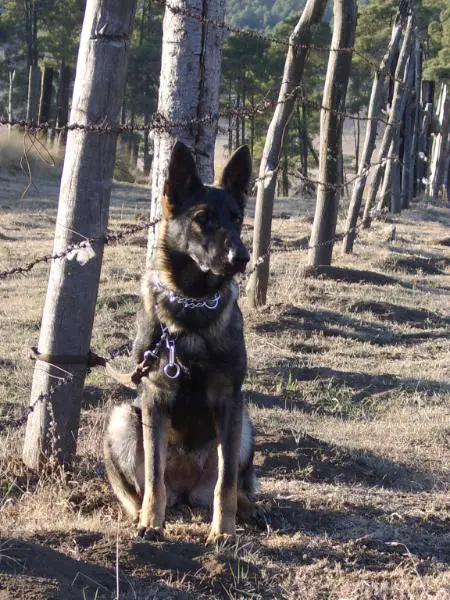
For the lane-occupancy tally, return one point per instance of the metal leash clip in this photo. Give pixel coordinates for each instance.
(171, 370)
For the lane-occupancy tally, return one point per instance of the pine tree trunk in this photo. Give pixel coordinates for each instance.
(292, 76)
(34, 87)
(62, 101)
(83, 210)
(230, 123)
(12, 76)
(46, 95)
(189, 89)
(331, 123)
(371, 131)
(357, 140)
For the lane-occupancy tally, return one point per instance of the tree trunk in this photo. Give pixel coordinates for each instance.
(395, 115)
(371, 131)
(390, 193)
(292, 76)
(83, 207)
(439, 152)
(46, 95)
(331, 123)
(34, 86)
(189, 89)
(147, 156)
(415, 121)
(422, 147)
(252, 126)
(62, 102)
(230, 122)
(285, 176)
(237, 125)
(243, 106)
(357, 132)
(12, 76)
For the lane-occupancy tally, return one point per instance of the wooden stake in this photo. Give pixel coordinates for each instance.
(373, 114)
(270, 161)
(438, 161)
(83, 212)
(331, 123)
(189, 88)
(395, 115)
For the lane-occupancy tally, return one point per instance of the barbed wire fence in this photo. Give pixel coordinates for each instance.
(159, 123)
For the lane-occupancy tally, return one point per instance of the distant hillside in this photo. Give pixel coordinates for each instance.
(265, 14)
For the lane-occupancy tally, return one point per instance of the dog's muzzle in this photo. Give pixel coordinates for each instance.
(238, 258)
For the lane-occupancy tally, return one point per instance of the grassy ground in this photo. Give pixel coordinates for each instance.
(348, 386)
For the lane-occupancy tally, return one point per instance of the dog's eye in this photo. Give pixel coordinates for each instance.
(201, 218)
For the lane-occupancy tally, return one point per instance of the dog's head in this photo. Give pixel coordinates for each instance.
(204, 222)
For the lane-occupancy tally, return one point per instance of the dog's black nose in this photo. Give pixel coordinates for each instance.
(239, 259)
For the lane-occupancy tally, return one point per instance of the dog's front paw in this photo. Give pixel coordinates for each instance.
(224, 532)
(151, 534)
(224, 539)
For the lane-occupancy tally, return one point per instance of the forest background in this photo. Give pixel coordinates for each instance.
(45, 33)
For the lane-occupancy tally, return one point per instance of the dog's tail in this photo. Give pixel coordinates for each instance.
(125, 491)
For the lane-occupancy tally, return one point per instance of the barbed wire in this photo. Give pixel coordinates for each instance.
(334, 186)
(270, 39)
(159, 123)
(113, 237)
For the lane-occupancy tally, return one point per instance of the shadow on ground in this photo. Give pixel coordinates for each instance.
(372, 529)
(294, 456)
(335, 324)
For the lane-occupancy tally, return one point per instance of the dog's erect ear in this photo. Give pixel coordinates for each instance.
(182, 178)
(237, 172)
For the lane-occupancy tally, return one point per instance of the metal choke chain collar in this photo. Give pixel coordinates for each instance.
(172, 369)
(211, 303)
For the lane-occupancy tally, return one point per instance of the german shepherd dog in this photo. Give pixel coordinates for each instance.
(188, 437)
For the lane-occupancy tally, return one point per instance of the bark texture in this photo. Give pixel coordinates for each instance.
(83, 208)
(189, 90)
(438, 162)
(331, 123)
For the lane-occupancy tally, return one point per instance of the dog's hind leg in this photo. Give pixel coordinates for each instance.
(155, 429)
(123, 454)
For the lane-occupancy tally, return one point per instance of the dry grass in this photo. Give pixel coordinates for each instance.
(348, 386)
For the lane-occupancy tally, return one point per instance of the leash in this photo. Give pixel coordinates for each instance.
(172, 369)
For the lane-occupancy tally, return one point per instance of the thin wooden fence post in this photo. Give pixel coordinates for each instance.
(83, 212)
(422, 147)
(390, 194)
(270, 162)
(331, 124)
(439, 152)
(373, 114)
(395, 115)
(415, 120)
